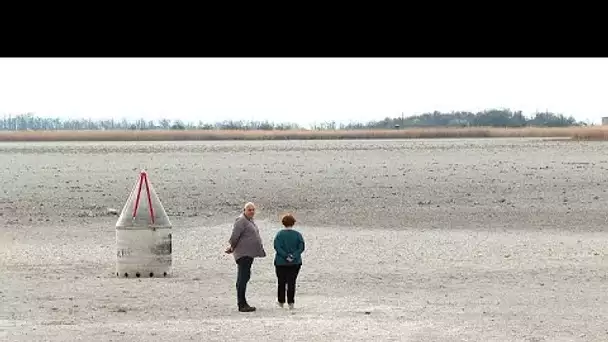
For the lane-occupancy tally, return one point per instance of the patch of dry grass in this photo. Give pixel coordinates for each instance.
(579, 133)
(591, 133)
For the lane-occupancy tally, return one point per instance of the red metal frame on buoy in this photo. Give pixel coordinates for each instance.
(143, 177)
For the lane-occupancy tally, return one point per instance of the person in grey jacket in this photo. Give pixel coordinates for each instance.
(245, 245)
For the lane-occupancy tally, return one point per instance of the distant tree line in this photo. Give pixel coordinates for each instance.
(489, 118)
(493, 118)
(31, 122)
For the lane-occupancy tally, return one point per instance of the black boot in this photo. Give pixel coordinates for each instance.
(246, 308)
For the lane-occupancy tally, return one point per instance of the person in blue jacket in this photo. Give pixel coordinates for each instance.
(289, 246)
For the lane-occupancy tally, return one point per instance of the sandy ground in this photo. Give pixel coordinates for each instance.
(425, 240)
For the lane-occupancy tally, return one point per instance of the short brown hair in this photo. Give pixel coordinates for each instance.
(288, 220)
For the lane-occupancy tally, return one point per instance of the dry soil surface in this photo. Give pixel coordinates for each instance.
(419, 240)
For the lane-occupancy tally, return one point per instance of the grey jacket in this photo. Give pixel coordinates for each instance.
(245, 239)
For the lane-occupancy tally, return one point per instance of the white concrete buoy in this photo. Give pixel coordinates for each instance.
(143, 234)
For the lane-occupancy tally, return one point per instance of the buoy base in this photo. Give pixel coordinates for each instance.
(143, 253)
(142, 273)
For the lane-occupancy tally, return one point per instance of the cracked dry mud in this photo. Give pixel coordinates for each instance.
(419, 240)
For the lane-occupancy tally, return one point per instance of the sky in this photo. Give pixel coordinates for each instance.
(299, 90)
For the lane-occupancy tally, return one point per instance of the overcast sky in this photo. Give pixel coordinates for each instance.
(301, 90)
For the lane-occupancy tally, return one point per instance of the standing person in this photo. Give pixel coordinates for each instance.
(245, 244)
(289, 246)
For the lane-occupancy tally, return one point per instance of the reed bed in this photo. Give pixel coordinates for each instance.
(577, 133)
(595, 133)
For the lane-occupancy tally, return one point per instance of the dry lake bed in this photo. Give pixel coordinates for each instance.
(407, 240)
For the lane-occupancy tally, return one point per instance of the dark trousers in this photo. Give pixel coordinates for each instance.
(286, 276)
(243, 276)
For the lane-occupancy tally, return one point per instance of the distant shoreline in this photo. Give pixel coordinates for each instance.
(574, 133)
